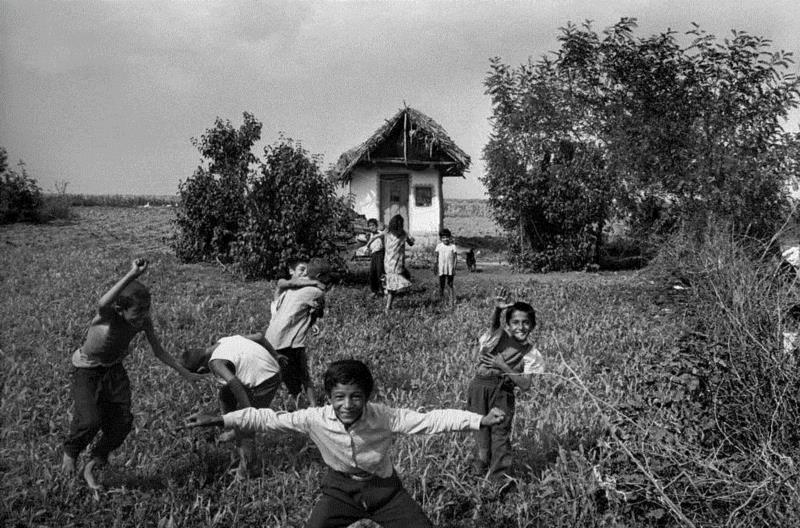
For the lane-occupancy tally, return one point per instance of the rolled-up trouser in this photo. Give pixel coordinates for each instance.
(102, 398)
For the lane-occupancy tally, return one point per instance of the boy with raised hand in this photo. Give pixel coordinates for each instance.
(249, 376)
(100, 385)
(296, 312)
(507, 358)
(354, 437)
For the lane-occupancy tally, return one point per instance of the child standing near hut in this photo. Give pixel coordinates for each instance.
(397, 277)
(445, 264)
(101, 389)
(506, 358)
(376, 255)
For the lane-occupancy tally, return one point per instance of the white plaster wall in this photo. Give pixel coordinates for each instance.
(424, 220)
(364, 190)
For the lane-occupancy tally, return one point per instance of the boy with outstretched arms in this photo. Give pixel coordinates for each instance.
(354, 437)
(101, 389)
(249, 376)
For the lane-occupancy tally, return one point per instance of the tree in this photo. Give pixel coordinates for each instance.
(291, 212)
(20, 196)
(646, 121)
(212, 200)
(254, 214)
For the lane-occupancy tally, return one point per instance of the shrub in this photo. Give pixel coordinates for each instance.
(291, 212)
(20, 196)
(257, 219)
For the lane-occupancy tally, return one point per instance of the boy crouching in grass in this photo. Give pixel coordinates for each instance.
(354, 437)
(249, 375)
(100, 385)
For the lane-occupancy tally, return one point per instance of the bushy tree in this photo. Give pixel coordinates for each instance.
(212, 200)
(256, 215)
(291, 212)
(20, 196)
(647, 122)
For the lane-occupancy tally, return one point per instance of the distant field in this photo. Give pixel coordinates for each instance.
(423, 357)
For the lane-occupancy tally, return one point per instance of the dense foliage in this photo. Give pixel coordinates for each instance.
(645, 130)
(20, 196)
(256, 214)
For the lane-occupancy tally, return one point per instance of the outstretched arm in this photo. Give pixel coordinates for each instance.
(406, 421)
(138, 267)
(166, 358)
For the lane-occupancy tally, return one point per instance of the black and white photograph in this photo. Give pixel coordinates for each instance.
(400, 263)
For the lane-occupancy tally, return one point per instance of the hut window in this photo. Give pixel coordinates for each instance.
(423, 196)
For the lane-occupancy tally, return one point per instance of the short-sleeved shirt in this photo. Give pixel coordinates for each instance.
(107, 340)
(252, 363)
(288, 327)
(447, 258)
(524, 360)
(376, 244)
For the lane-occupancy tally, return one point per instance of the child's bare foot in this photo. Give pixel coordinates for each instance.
(88, 472)
(68, 465)
(227, 436)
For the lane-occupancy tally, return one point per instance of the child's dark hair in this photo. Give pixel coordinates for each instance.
(349, 372)
(292, 263)
(372, 221)
(134, 294)
(524, 307)
(445, 233)
(396, 225)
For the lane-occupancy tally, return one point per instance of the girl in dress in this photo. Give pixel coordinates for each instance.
(397, 277)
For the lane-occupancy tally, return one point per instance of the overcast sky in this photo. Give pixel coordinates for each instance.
(106, 95)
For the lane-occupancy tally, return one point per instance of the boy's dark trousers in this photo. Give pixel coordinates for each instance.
(485, 392)
(376, 271)
(382, 500)
(102, 398)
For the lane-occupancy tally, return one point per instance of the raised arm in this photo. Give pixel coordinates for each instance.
(138, 267)
(501, 302)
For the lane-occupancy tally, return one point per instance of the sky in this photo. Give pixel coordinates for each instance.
(105, 96)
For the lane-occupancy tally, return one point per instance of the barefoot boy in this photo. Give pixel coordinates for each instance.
(249, 375)
(100, 386)
(354, 437)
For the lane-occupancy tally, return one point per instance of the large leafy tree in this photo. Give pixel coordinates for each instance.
(256, 215)
(638, 122)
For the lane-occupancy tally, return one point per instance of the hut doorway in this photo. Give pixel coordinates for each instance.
(394, 197)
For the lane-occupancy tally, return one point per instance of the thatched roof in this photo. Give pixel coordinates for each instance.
(417, 126)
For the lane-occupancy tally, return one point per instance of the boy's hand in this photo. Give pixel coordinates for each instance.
(139, 266)
(202, 420)
(486, 360)
(494, 417)
(315, 329)
(501, 298)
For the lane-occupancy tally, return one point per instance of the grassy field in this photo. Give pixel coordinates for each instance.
(422, 357)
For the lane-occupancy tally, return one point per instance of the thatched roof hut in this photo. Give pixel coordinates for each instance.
(425, 142)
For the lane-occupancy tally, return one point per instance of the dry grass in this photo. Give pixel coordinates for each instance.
(422, 357)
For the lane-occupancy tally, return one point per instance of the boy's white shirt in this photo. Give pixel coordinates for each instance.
(253, 363)
(289, 324)
(366, 445)
(532, 362)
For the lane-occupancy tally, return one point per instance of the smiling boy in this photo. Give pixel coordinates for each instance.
(354, 437)
(506, 358)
